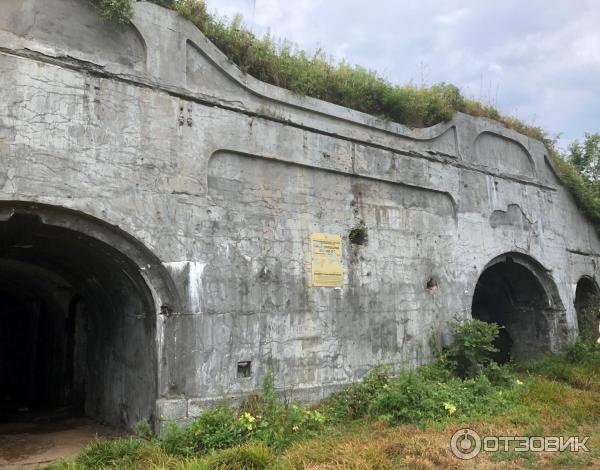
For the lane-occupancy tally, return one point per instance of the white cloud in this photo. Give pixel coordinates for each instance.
(452, 18)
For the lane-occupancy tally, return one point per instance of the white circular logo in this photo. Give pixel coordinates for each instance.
(465, 444)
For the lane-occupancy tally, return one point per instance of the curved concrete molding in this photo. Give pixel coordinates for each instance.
(501, 154)
(551, 172)
(288, 187)
(202, 76)
(207, 72)
(202, 54)
(73, 29)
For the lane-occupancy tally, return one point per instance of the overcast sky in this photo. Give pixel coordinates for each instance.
(536, 59)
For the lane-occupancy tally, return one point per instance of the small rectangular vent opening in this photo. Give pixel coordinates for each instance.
(244, 369)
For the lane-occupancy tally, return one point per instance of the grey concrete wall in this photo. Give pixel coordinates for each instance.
(224, 178)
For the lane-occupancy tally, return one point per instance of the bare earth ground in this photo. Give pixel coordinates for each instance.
(36, 440)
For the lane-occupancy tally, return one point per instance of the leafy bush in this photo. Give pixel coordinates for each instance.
(502, 375)
(354, 401)
(407, 399)
(114, 11)
(413, 398)
(464, 374)
(577, 351)
(267, 419)
(440, 370)
(142, 429)
(276, 422)
(215, 428)
(179, 440)
(472, 346)
(218, 428)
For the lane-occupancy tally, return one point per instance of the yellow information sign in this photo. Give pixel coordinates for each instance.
(326, 254)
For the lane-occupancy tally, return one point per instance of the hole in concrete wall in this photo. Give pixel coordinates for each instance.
(359, 235)
(587, 306)
(431, 284)
(77, 326)
(244, 369)
(509, 294)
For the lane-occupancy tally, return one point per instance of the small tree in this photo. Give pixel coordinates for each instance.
(586, 157)
(473, 346)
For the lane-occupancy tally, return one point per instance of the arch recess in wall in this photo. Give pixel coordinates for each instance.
(74, 28)
(503, 155)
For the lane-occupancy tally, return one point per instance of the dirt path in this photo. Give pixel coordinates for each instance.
(34, 444)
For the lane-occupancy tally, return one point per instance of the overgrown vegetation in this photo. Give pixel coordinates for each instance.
(389, 421)
(267, 419)
(463, 384)
(114, 11)
(578, 366)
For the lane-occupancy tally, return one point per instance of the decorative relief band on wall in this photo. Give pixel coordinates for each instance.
(291, 186)
(503, 155)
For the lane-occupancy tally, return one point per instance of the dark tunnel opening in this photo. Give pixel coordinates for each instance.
(78, 326)
(509, 294)
(587, 303)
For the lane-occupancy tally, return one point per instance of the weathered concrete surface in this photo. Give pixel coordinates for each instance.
(219, 180)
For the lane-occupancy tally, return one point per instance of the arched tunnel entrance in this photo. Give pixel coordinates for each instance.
(78, 324)
(512, 292)
(587, 303)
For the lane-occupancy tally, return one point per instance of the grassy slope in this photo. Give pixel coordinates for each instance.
(559, 395)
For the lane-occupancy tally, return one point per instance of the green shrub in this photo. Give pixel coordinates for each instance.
(143, 429)
(276, 422)
(353, 402)
(472, 347)
(117, 12)
(266, 418)
(577, 351)
(501, 375)
(179, 440)
(463, 381)
(440, 370)
(215, 428)
(218, 428)
(412, 398)
(407, 399)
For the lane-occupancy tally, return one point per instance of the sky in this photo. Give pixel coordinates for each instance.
(533, 59)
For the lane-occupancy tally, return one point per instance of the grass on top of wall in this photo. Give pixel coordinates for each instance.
(314, 74)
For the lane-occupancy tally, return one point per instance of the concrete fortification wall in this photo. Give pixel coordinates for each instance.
(140, 164)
